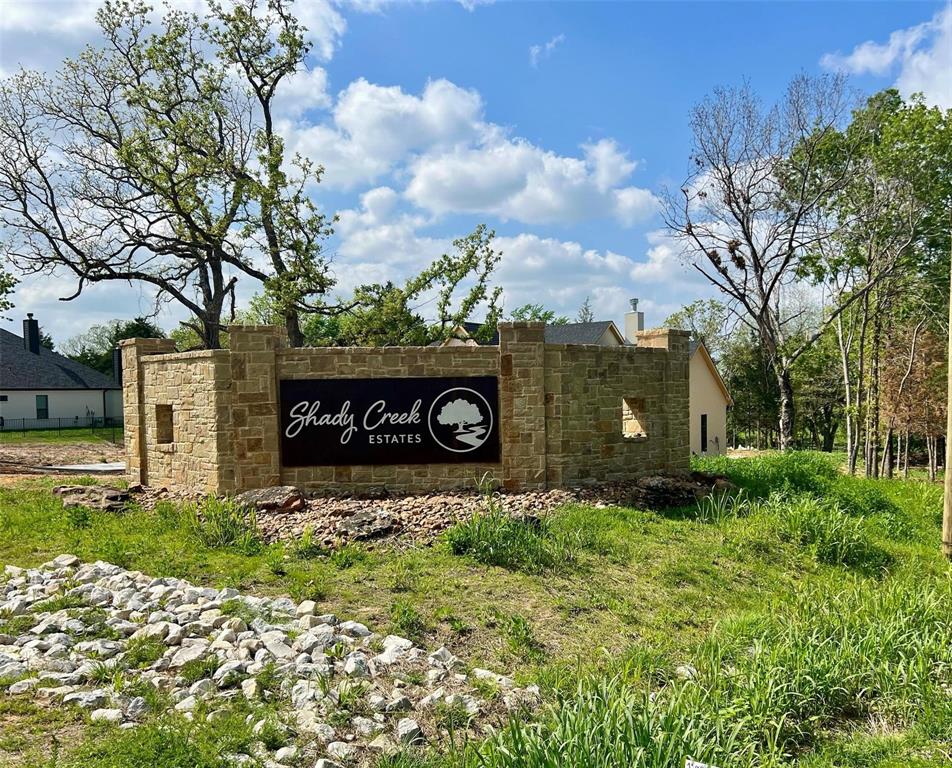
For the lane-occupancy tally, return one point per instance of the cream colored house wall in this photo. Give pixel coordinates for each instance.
(63, 403)
(706, 397)
(609, 339)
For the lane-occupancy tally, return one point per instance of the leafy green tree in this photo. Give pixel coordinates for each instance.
(392, 315)
(155, 159)
(539, 313)
(749, 378)
(816, 378)
(890, 252)
(46, 340)
(265, 42)
(707, 321)
(7, 284)
(94, 347)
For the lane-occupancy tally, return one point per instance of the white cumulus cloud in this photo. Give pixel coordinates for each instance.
(514, 179)
(921, 57)
(374, 127)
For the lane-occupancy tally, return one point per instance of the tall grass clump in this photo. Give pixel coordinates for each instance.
(492, 537)
(223, 524)
(760, 475)
(801, 472)
(833, 537)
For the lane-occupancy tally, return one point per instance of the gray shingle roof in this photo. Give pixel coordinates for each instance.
(21, 369)
(576, 333)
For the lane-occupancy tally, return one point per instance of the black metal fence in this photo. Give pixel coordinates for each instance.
(101, 426)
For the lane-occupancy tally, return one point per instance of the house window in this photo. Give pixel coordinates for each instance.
(3, 398)
(42, 406)
(703, 433)
(633, 417)
(163, 424)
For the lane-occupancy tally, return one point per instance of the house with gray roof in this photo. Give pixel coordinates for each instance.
(47, 389)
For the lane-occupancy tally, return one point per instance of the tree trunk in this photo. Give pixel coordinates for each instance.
(947, 495)
(905, 455)
(872, 468)
(860, 384)
(787, 411)
(844, 344)
(886, 470)
(293, 325)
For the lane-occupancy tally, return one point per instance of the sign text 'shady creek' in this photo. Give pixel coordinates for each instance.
(307, 414)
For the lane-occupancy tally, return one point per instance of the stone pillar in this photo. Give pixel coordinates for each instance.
(677, 404)
(133, 402)
(254, 404)
(522, 404)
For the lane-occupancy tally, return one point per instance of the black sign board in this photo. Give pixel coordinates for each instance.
(426, 420)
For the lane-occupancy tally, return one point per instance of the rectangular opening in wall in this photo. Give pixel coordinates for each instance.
(42, 406)
(163, 424)
(703, 433)
(633, 417)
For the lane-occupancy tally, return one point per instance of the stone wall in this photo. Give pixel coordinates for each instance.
(570, 414)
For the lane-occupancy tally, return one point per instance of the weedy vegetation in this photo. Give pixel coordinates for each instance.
(801, 621)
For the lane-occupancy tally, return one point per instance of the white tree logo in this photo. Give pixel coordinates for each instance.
(460, 412)
(468, 412)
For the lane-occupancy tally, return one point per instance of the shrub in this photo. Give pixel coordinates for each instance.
(405, 620)
(306, 547)
(222, 524)
(347, 556)
(78, 517)
(306, 586)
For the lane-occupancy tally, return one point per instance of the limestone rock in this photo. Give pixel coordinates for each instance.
(278, 498)
(408, 731)
(367, 524)
(93, 496)
(107, 715)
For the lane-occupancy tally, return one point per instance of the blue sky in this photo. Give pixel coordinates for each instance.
(556, 123)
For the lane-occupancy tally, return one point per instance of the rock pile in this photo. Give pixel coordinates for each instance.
(68, 629)
(333, 520)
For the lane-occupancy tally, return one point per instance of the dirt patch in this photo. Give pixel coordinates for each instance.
(26, 458)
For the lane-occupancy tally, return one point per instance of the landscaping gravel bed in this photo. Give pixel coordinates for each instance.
(126, 646)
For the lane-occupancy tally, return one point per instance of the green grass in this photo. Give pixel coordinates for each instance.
(811, 608)
(65, 435)
(767, 687)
